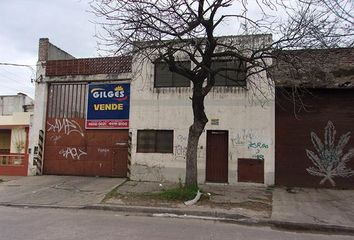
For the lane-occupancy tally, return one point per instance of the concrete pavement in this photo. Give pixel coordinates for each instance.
(324, 207)
(63, 224)
(66, 191)
(299, 209)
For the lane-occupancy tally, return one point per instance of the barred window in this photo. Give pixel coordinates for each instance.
(155, 141)
(165, 78)
(235, 75)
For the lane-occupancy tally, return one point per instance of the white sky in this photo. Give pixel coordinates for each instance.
(22, 22)
(67, 25)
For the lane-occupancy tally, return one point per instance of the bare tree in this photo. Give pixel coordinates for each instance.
(168, 30)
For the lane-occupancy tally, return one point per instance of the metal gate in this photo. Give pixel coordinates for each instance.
(314, 142)
(70, 149)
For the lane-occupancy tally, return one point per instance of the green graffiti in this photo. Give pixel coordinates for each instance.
(257, 145)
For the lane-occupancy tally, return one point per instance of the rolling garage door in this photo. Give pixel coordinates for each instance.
(314, 141)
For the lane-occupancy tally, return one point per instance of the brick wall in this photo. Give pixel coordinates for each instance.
(43, 49)
(89, 66)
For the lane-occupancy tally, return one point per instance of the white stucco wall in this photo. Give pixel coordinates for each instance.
(38, 121)
(13, 103)
(244, 113)
(16, 119)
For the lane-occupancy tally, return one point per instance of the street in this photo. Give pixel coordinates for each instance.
(41, 223)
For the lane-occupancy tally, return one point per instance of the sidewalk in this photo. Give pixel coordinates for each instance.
(59, 191)
(324, 207)
(299, 209)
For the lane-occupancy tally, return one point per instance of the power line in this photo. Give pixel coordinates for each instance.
(21, 65)
(17, 65)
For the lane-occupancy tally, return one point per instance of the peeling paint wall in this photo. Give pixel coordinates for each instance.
(244, 113)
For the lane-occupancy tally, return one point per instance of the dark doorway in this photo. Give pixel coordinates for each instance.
(217, 156)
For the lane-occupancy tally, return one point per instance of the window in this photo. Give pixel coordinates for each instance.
(234, 76)
(155, 141)
(5, 141)
(165, 78)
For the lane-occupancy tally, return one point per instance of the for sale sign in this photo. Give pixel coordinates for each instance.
(108, 106)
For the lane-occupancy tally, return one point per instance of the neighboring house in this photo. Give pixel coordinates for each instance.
(314, 119)
(15, 115)
(61, 142)
(76, 130)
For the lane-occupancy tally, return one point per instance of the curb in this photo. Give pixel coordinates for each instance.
(153, 210)
(227, 217)
(312, 227)
(204, 215)
(28, 205)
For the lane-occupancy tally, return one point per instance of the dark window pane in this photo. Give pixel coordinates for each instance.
(164, 141)
(235, 75)
(165, 78)
(178, 79)
(155, 141)
(221, 76)
(146, 141)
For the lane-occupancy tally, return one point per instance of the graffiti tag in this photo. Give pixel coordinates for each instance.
(71, 152)
(257, 145)
(66, 126)
(102, 150)
(55, 139)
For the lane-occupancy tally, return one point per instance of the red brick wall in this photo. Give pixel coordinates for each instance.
(89, 66)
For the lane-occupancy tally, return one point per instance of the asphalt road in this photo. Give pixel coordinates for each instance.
(53, 224)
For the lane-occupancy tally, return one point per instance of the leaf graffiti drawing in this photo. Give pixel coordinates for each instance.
(330, 160)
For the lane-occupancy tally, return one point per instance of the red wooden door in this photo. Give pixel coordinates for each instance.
(217, 156)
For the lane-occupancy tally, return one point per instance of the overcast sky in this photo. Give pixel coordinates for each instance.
(22, 22)
(67, 24)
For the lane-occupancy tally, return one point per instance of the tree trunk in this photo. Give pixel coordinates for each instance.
(195, 130)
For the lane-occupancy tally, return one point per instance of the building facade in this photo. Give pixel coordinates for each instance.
(15, 117)
(60, 141)
(236, 146)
